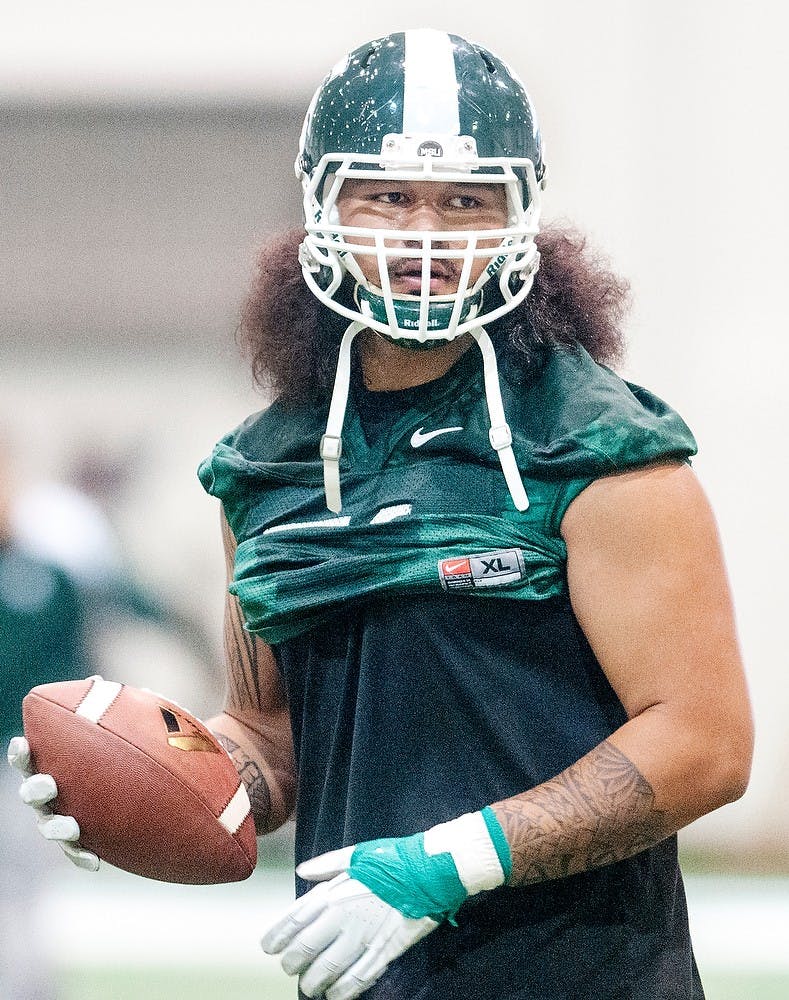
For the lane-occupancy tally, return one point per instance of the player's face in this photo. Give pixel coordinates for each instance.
(432, 206)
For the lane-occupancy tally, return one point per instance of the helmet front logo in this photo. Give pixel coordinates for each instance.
(430, 148)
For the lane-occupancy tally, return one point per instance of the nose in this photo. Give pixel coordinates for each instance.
(424, 216)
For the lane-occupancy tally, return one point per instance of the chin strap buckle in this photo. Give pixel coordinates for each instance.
(500, 437)
(331, 448)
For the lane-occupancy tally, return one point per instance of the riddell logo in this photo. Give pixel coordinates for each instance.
(184, 734)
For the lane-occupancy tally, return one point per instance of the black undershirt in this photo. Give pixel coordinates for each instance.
(379, 409)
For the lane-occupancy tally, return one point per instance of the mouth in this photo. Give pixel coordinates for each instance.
(405, 277)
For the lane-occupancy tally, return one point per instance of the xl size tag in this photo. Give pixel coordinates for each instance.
(486, 569)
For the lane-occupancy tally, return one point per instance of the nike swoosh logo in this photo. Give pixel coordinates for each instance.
(455, 566)
(420, 436)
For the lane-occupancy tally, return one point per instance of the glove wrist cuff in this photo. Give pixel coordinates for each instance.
(499, 839)
(478, 848)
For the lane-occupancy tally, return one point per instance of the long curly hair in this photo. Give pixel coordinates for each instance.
(290, 338)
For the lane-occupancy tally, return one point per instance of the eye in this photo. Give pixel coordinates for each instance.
(390, 197)
(465, 201)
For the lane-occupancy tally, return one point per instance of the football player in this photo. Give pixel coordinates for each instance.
(478, 629)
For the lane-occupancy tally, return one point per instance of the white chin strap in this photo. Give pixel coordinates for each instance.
(500, 433)
(331, 442)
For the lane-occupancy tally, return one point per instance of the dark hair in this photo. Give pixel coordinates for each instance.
(291, 339)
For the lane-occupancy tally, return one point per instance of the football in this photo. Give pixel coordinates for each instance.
(153, 791)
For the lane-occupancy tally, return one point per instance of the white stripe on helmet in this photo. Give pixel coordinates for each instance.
(430, 90)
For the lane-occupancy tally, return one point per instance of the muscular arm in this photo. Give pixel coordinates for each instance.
(600, 810)
(255, 725)
(648, 587)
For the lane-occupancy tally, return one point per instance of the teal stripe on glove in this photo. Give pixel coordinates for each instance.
(401, 872)
(432, 874)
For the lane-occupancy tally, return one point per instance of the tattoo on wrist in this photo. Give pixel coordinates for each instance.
(252, 776)
(600, 810)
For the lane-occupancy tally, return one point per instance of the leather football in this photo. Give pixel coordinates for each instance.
(153, 791)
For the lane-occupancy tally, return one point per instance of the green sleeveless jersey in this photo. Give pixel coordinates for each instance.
(425, 506)
(449, 671)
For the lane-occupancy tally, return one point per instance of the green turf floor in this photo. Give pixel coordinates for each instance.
(173, 984)
(135, 984)
(747, 987)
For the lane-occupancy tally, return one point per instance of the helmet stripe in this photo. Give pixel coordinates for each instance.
(430, 91)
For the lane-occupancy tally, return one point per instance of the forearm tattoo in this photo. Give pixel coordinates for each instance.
(243, 674)
(252, 776)
(243, 694)
(600, 810)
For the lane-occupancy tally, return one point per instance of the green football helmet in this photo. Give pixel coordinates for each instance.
(420, 105)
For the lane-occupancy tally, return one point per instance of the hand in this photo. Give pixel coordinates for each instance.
(340, 937)
(37, 791)
(383, 896)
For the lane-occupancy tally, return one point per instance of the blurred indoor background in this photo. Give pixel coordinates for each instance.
(147, 151)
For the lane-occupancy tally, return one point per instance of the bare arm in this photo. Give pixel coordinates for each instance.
(255, 725)
(649, 589)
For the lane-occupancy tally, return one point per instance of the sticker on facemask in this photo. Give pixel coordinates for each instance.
(485, 569)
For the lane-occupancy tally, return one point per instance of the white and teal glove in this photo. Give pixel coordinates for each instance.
(383, 896)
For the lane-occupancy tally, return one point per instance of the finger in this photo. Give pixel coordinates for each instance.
(306, 946)
(78, 856)
(325, 866)
(59, 828)
(360, 976)
(38, 789)
(389, 943)
(19, 755)
(307, 909)
(331, 964)
(352, 984)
